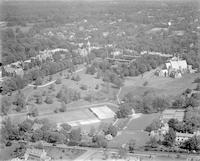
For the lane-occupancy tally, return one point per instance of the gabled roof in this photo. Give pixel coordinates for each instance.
(187, 135)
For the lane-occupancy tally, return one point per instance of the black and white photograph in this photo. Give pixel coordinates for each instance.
(100, 80)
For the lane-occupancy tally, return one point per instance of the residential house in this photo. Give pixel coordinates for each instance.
(182, 137)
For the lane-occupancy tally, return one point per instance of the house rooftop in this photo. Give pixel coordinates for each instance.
(178, 134)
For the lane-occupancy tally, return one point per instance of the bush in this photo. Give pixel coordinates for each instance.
(63, 107)
(52, 87)
(76, 78)
(145, 83)
(198, 87)
(97, 86)
(49, 100)
(58, 81)
(197, 80)
(84, 87)
(38, 81)
(188, 91)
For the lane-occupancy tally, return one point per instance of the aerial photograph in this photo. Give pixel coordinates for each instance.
(100, 80)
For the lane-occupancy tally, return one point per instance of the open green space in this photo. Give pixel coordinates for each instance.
(70, 116)
(142, 122)
(6, 152)
(158, 85)
(67, 154)
(134, 130)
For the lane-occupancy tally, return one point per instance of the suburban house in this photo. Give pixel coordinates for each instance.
(182, 137)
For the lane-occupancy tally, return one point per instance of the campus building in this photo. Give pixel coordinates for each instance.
(175, 68)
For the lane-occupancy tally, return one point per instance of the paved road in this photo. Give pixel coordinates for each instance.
(91, 151)
(49, 83)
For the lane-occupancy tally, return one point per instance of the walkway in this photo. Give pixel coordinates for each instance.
(49, 83)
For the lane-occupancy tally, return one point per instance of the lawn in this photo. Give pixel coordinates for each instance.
(5, 152)
(158, 85)
(142, 122)
(134, 130)
(83, 114)
(63, 154)
(113, 156)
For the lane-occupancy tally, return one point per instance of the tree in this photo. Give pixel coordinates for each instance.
(100, 141)
(63, 107)
(20, 101)
(38, 97)
(37, 135)
(75, 135)
(160, 104)
(49, 100)
(33, 111)
(92, 131)
(19, 151)
(124, 110)
(52, 87)
(153, 142)
(122, 153)
(169, 138)
(38, 81)
(9, 131)
(179, 102)
(5, 105)
(76, 78)
(58, 81)
(198, 87)
(56, 137)
(25, 126)
(97, 86)
(112, 130)
(155, 125)
(131, 145)
(83, 87)
(118, 82)
(172, 123)
(192, 144)
(66, 126)
(188, 91)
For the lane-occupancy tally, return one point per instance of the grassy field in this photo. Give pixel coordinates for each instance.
(158, 85)
(142, 122)
(82, 114)
(63, 154)
(5, 152)
(134, 130)
(113, 156)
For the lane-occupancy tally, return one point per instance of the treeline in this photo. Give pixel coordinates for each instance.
(116, 73)
(20, 46)
(145, 104)
(44, 130)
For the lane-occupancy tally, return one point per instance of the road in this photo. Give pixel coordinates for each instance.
(140, 153)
